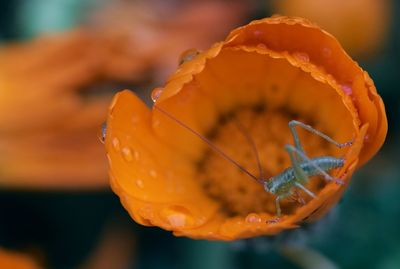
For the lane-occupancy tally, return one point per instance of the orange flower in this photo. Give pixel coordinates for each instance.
(361, 26)
(14, 260)
(264, 74)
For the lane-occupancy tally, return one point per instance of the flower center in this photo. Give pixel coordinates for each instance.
(237, 192)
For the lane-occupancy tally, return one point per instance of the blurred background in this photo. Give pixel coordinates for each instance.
(60, 63)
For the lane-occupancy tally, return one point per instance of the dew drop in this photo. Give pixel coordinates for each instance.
(178, 216)
(115, 143)
(102, 132)
(155, 94)
(261, 46)
(257, 33)
(139, 183)
(253, 218)
(127, 154)
(188, 55)
(347, 89)
(153, 173)
(302, 56)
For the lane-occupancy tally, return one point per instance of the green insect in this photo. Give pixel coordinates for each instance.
(284, 184)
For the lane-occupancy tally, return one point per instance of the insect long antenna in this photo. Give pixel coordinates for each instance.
(209, 143)
(242, 129)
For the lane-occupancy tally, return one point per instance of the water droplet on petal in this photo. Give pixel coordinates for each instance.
(188, 55)
(302, 56)
(257, 33)
(253, 218)
(139, 183)
(102, 132)
(178, 216)
(261, 46)
(153, 173)
(127, 154)
(347, 89)
(115, 143)
(155, 94)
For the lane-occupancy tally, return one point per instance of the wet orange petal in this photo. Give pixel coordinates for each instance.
(131, 142)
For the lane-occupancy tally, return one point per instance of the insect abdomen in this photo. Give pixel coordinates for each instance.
(326, 163)
(283, 182)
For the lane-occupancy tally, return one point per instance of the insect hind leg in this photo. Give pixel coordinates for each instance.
(294, 123)
(310, 193)
(293, 150)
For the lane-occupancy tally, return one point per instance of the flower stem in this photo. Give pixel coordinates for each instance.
(306, 258)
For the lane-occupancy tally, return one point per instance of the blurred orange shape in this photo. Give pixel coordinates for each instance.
(14, 260)
(54, 91)
(361, 26)
(264, 74)
(157, 31)
(51, 107)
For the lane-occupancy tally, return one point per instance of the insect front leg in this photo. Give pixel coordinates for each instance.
(278, 206)
(278, 209)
